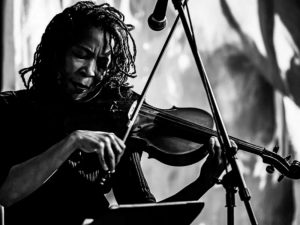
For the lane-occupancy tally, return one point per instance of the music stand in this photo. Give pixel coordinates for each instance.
(182, 213)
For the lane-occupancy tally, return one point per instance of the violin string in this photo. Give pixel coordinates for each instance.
(171, 118)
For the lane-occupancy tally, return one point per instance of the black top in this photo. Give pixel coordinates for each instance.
(29, 127)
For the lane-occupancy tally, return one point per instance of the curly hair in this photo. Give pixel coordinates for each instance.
(66, 28)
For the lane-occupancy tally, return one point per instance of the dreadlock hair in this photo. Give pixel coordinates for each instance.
(65, 29)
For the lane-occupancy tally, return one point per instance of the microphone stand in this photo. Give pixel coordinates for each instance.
(234, 178)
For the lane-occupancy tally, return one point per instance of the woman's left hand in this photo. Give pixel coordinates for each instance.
(215, 162)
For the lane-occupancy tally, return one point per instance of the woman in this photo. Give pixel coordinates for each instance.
(53, 169)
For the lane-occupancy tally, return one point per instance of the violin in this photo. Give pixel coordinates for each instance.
(175, 136)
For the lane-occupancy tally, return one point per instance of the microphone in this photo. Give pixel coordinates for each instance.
(157, 20)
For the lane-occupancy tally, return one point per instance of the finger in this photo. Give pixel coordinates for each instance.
(217, 147)
(100, 152)
(233, 144)
(119, 141)
(109, 154)
(211, 146)
(118, 147)
(218, 152)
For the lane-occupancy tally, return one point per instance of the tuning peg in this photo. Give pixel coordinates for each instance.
(275, 149)
(288, 158)
(280, 178)
(270, 169)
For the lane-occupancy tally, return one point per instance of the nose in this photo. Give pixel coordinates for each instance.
(91, 68)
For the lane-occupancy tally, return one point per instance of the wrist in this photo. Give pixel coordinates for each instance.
(63, 149)
(207, 181)
(70, 143)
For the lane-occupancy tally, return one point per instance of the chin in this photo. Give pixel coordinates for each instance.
(78, 97)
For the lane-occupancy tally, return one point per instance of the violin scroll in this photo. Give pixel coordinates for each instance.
(287, 169)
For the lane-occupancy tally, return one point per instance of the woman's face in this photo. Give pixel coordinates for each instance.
(86, 63)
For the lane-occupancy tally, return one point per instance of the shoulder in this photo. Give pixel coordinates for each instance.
(14, 97)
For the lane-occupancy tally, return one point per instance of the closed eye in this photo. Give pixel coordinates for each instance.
(82, 53)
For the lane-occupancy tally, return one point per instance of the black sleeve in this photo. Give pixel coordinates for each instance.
(12, 132)
(6, 156)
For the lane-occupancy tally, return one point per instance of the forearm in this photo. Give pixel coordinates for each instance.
(26, 177)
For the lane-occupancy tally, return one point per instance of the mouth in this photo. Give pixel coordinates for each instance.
(79, 87)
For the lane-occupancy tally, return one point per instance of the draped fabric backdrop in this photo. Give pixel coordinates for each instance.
(250, 51)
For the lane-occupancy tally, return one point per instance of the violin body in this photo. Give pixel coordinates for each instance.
(172, 142)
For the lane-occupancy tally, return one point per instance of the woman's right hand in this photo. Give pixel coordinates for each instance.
(107, 145)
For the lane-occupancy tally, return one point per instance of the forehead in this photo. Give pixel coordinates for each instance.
(95, 38)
